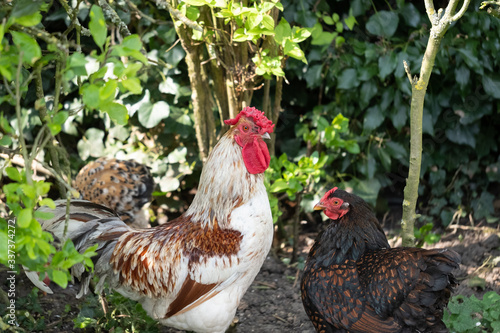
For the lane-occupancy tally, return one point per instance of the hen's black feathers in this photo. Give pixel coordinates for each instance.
(354, 281)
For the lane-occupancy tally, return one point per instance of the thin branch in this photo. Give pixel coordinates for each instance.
(407, 70)
(144, 15)
(111, 15)
(178, 15)
(19, 117)
(461, 13)
(429, 8)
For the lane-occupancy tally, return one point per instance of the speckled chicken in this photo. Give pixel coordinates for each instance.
(354, 282)
(192, 272)
(124, 186)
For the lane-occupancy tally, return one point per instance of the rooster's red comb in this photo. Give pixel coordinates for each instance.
(258, 117)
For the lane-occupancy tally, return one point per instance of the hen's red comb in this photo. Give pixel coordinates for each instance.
(330, 192)
(258, 117)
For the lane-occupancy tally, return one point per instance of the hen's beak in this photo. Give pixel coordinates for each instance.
(266, 136)
(319, 206)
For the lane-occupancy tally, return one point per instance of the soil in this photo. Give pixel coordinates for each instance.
(273, 304)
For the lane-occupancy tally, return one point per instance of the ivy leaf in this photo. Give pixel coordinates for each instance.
(97, 26)
(411, 15)
(373, 118)
(491, 84)
(348, 79)
(92, 144)
(383, 24)
(386, 64)
(151, 115)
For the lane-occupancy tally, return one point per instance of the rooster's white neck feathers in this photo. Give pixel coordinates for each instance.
(225, 184)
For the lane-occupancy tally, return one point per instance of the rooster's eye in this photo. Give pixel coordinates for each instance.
(245, 128)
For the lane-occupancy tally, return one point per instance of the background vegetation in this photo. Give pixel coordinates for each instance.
(82, 80)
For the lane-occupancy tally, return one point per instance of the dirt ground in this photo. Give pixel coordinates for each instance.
(272, 304)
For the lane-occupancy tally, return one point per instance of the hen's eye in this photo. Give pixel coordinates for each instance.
(335, 202)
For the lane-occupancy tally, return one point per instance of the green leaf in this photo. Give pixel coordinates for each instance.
(396, 150)
(491, 84)
(352, 147)
(133, 85)
(279, 186)
(387, 64)
(294, 51)
(411, 15)
(348, 79)
(282, 31)
(399, 116)
(462, 75)
(60, 278)
(350, 22)
(368, 90)
(13, 174)
(60, 117)
(28, 46)
(470, 58)
(151, 115)
(383, 23)
(24, 218)
(90, 96)
(25, 8)
(132, 42)
(117, 112)
(196, 2)
(107, 92)
(5, 140)
(373, 118)
(97, 26)
(29, 20)
(324, 38)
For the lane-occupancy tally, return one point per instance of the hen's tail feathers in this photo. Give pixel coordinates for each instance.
(424, 305)
(88, 224)
(124, 186)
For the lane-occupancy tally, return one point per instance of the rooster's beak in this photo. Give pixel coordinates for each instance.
(266, 136)
(319, 206)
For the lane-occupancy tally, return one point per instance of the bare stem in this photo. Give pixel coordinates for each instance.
(440, 23)
(19, 118)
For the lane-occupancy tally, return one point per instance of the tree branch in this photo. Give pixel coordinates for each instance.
(111, 15)
(440, 24)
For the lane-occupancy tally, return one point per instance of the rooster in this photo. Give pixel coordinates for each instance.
(124, 186)
(354, 282)
(189, 273)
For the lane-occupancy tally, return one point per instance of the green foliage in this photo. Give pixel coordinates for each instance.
(27, 244)
(424, 234)
(364, 79)
(26, 314)
(469, 314)
(123, 315)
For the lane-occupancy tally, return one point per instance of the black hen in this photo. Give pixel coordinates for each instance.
(354, 281)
